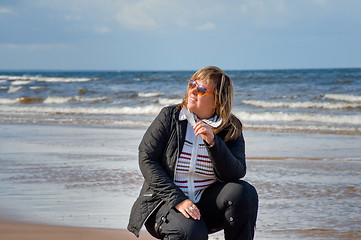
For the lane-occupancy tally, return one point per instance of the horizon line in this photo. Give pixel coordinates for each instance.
(159, 70)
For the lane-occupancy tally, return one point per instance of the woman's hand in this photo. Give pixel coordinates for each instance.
(205, 131)
(188, 209)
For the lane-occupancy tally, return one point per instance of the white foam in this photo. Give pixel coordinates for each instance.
(97, 99)
(56, 100)
(154, 109)
(40, 78)
(14, 89)
(169, 101)
(308, 127)
(344, 97)
(130, 123)
(8, 77)
(8, 101)
(60, 79)
(60, 100)
(306, 104)
(298, 117)
(19, 100)
(20, 82)
(146, 110)
(36, 87)
(149, 95)
(15, 78)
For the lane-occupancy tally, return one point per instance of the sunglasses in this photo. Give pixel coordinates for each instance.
(200, 90)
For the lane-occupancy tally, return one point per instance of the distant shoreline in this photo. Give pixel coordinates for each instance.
(172, 70)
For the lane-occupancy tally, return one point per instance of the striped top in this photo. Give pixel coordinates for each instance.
(194, 170)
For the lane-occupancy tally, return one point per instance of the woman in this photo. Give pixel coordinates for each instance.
(192, 158)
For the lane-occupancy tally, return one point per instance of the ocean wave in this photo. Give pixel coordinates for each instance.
(60, 100)
(298, 117)
(14, 89)
(39, 78)
(150, 94)
(146, 110)
(169, 101)
(29, 100)
(36, 87)
(67, 120)
(21, 100)
(50, 100)
(306, 104)
(57, 100)
(8, 101)
(20, 82)
(305, 128)
(142, 116)
(154, 109)
(344, 97)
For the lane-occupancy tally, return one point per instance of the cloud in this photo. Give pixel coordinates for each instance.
(158, 15)
(5, 10)
(102, 29)
(206, 27)
(165, 15)
(139, 15)
(31, 47)
(261, 10)
(153, 15)
(170, 16)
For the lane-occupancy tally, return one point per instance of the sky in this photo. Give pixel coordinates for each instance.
(179, 34)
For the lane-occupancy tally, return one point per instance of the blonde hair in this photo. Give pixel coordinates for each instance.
(223, 92)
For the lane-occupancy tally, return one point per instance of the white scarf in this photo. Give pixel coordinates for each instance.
(192, 119)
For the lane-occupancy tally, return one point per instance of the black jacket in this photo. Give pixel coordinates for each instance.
(158, 154)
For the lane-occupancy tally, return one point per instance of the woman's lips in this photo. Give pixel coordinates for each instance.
(192, 98)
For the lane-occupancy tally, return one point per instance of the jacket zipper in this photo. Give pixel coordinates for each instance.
(150, 214)
(178, 152)
(192, 168)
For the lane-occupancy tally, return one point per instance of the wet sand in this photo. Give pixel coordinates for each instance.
(10, 230)
(80, 181)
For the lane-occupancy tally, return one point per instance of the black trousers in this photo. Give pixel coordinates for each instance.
(230, 206)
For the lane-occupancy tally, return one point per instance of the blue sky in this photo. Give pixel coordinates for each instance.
(179, 35)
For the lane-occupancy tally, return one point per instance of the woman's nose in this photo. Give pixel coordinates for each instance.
(193, 91)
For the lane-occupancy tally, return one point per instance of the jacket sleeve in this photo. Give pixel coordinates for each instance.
(229, 159)
(151, 152)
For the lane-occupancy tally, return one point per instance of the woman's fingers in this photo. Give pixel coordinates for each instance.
(205, 131)
(184, 212)
(188, 209)
(200, 127)
(194, 212)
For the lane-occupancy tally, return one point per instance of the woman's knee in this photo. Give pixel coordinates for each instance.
(172, 225)
(239, 193)
(196, 231)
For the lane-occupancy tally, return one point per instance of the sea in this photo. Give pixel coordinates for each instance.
(311, 100)
(69, 144)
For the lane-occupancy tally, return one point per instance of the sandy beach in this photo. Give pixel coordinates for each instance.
(79, 182)
(10, 230)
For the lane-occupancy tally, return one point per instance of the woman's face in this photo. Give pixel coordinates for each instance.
(202, 106)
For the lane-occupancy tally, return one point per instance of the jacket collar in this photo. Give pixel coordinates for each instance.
(192, 119)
